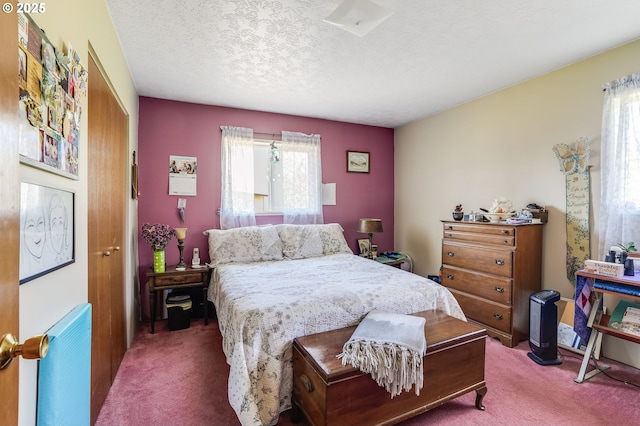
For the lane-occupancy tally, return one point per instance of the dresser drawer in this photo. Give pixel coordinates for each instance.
(489, 313)
(483, 259)
(479, 228)
(503, 240)
(168, 279)
(492, 288)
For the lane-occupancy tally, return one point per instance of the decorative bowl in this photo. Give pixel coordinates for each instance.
(497, 217)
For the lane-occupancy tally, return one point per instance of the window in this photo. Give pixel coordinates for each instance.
(270, 177)
(288, 179)
(620, 164)
(267, 176)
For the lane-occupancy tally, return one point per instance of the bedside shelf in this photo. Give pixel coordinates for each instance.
(172, 279)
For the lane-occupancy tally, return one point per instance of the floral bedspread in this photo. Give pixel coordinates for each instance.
(263, 306)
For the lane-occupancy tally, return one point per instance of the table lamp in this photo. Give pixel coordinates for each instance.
(181, 234)
(370, 226)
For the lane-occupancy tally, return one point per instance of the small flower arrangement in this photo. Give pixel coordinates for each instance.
(157, 235)
(458, 208)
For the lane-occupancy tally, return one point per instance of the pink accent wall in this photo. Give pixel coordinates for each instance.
(178, 128)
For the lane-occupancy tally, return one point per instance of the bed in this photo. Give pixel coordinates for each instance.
(273, 283)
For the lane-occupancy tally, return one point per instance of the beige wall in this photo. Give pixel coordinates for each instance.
(501, 145)
(44, 301)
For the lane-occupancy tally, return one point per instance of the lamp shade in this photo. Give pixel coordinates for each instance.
(370, 226)
(181, 233)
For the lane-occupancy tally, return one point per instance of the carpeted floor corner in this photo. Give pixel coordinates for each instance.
(180, 378)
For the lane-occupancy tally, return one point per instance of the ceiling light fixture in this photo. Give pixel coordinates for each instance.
(358, 16)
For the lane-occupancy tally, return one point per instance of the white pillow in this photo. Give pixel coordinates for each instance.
(332, 236)
(300, 241)
(246, 244)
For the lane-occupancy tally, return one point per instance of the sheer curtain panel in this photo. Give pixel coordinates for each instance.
(237, 208)
(620, 164)
(301, 178)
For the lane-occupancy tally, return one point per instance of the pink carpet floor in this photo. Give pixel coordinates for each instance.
(180, 378)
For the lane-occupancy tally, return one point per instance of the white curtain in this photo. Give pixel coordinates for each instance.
(620, 165)
(237, 206)
(301, 197)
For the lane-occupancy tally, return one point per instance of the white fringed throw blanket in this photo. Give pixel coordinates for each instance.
(390, 347)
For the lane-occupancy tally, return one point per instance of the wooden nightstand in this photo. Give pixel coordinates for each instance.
(172, 279)
(396, 263)
(396, 260)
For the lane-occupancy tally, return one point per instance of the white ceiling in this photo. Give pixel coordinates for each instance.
(430, 55)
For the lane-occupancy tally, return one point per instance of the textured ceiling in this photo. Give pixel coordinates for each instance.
(430, 55)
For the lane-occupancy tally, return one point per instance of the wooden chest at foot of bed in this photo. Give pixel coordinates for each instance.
(327, 393)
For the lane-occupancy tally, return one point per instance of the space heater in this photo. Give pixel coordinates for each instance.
(543, 328)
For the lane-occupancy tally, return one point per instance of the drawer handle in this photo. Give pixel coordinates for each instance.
(307, 383)
(505, 231)
(450, 227)
(449, 276)
(499, 289)
(497, 315)
(499, 262)
(450, 254)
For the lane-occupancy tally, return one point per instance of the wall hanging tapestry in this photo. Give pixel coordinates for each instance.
(574, 163)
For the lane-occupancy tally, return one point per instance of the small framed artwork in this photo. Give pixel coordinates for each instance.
(365, 247)
(47, 238)
(357, 162)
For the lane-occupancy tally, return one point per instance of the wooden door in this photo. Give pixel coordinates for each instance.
(107, 193)
(9, 208)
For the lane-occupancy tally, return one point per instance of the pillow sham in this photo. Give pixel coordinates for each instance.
(332, 236)
(300, 241)
(246, 244)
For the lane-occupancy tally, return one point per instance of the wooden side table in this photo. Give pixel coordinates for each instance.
(396, 260)
(172, 279)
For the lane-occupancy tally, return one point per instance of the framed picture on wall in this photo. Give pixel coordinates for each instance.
(357, 162)
(47, 238)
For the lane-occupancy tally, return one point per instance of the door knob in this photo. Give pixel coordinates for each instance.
(35, 347)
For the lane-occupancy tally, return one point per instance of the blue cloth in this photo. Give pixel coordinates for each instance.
(64, 375)
(618, 288)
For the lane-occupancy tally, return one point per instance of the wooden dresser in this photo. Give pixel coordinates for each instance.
(492, 269)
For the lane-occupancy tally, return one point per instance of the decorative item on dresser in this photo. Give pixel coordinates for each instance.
(370, 226)
(458, 213)
(158, 236)
(181, 235)
(492, 269)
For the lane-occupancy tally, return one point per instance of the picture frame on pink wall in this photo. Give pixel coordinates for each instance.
(357, 162)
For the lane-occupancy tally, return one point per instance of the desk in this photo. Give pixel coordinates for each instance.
(172, 279)
(627, 287)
